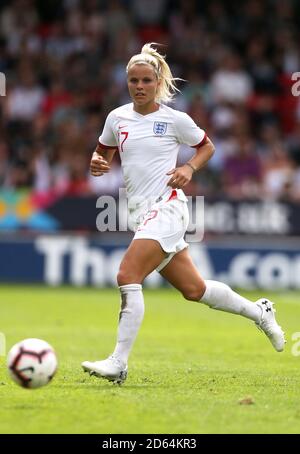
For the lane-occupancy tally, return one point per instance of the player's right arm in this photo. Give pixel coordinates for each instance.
(101, 159)
(105, 149)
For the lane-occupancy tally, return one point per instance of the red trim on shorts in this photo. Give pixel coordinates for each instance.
(201, 143)
(173, 195)
(107, 147)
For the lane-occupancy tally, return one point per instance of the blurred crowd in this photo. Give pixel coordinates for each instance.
(64, 62)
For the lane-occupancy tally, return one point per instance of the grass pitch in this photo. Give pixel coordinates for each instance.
(192, 369)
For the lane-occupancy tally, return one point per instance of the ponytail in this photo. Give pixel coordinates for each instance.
(167, 87)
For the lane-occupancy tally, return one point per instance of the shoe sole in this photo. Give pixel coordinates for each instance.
(115, 380)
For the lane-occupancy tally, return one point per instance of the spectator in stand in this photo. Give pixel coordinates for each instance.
(278, 171)
(231, 83)
(56, 98)
(25, 100)
(242, 171)
(4, 161)
(293, 142)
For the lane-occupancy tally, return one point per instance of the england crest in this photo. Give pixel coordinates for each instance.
(160, 128)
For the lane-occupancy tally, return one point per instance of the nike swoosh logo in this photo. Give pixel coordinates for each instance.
(121, 127)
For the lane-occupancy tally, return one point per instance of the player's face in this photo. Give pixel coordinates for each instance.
(142, 84)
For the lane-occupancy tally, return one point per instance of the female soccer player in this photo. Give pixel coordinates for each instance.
(148, 135)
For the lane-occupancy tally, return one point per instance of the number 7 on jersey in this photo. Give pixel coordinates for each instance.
(123, 133)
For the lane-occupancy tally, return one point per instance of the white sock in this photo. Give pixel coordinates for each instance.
(130, 319)
(221, 297)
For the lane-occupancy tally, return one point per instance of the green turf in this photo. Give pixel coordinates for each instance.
(188, 371)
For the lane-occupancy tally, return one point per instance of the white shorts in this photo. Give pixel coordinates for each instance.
(165, 221)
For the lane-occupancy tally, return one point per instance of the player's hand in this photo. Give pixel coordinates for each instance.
(181, 176)
(98, 165)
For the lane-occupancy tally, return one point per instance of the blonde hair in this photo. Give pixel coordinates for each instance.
(149, 55)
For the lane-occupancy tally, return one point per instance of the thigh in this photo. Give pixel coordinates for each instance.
(141, 258)
(183, 275)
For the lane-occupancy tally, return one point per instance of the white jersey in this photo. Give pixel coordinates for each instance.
(148, 146)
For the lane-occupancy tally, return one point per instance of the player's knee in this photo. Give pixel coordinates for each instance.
(123, 277)
(193, 293)
(126, 276)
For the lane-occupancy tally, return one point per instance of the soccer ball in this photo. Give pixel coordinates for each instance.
(32, 363)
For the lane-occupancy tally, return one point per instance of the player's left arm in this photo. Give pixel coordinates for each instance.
(181, 176)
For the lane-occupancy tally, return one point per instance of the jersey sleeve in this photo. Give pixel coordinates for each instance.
(107, 138)
(188, 132)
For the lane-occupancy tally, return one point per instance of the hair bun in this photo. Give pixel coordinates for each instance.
(148, 49)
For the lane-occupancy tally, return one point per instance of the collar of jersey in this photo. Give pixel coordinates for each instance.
(147, 115)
